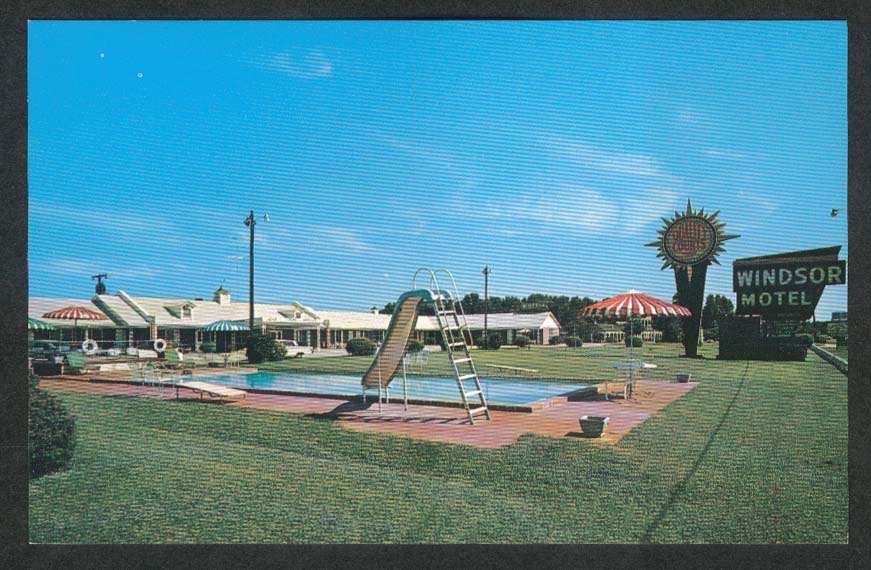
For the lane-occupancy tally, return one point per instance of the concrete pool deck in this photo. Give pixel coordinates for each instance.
(434, 423)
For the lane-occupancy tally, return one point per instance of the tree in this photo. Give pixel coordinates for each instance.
(671, 328)
(567, 310)
(473, 304)
(260, 348)
(584, 328)
(633, 327)
(716, 307)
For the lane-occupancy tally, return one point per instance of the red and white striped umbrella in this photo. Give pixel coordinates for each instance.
(75, 313)
(634, 304)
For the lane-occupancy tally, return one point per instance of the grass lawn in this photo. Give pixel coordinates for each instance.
(756, 453)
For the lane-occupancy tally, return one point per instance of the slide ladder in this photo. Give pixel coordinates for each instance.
(457, 340)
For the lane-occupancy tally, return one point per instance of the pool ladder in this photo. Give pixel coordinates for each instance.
(454, 329)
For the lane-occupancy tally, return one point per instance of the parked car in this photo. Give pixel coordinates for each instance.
(43, 349)
(293, 348)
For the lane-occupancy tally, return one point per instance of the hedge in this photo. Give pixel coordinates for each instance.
(361, 347)
(522, 341)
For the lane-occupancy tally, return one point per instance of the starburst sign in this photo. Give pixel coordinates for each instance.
(691, 238)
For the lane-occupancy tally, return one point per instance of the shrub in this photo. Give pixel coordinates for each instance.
(573, 342)
(823, 339)
(711, 334)
(633, 341)
(208, 347)
(414, 345)
(783, 348)
(493, 342)
(633, 326)
(558, 339)
(260, 348)
(360, 347)
(52, 433)
(805, 339)
(522, 341)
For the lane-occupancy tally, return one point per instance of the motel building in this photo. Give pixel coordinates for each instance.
(137, 321)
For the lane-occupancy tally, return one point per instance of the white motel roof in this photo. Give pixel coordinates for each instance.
(128, 311)
(38, 306)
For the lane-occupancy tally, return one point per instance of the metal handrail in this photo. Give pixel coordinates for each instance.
(458, 302)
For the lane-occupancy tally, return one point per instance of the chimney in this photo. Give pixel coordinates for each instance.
(374, 310)
(221, 296)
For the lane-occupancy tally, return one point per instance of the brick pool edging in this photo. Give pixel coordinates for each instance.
(437, 423)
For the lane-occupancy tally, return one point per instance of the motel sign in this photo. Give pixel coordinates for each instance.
(786, 285)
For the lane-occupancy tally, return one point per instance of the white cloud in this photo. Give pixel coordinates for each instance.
(312, 64)
(653, 204)
(555, 204)
(724, 154)
(588, 187)
(333, 237)
(88, 267)
(111, 219)
(757, 200)
(428, 153)
(596, 158)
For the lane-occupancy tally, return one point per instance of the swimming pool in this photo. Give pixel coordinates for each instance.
(420, 388)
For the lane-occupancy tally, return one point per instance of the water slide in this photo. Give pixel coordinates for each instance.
(389, 356)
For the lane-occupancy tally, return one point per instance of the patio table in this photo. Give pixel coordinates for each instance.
(632, 370)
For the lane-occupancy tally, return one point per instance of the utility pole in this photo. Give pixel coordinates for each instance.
(251, 222)
(486, 273)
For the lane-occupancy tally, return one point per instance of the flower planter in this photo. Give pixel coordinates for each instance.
(684, 378)
(593, 426)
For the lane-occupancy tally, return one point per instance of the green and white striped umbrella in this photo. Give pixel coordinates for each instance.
(37, 325)
(225, 326)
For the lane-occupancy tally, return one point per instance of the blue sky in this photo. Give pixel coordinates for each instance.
(546, 150)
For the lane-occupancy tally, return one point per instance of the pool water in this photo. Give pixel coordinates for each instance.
(496, 390)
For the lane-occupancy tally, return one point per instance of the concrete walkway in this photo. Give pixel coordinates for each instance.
(434, 423)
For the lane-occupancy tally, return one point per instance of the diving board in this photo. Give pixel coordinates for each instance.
(211, 389)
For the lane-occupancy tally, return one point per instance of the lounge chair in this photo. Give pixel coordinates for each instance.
(194, 359)
(173, 359)
(75, 362)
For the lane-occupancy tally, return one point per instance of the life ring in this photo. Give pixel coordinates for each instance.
(159, 345)
(90, 346)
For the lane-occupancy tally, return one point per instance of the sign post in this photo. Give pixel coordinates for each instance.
(786, 286)
(688, 243)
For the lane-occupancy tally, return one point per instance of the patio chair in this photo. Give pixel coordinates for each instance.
(75, 362)
(151, 374)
